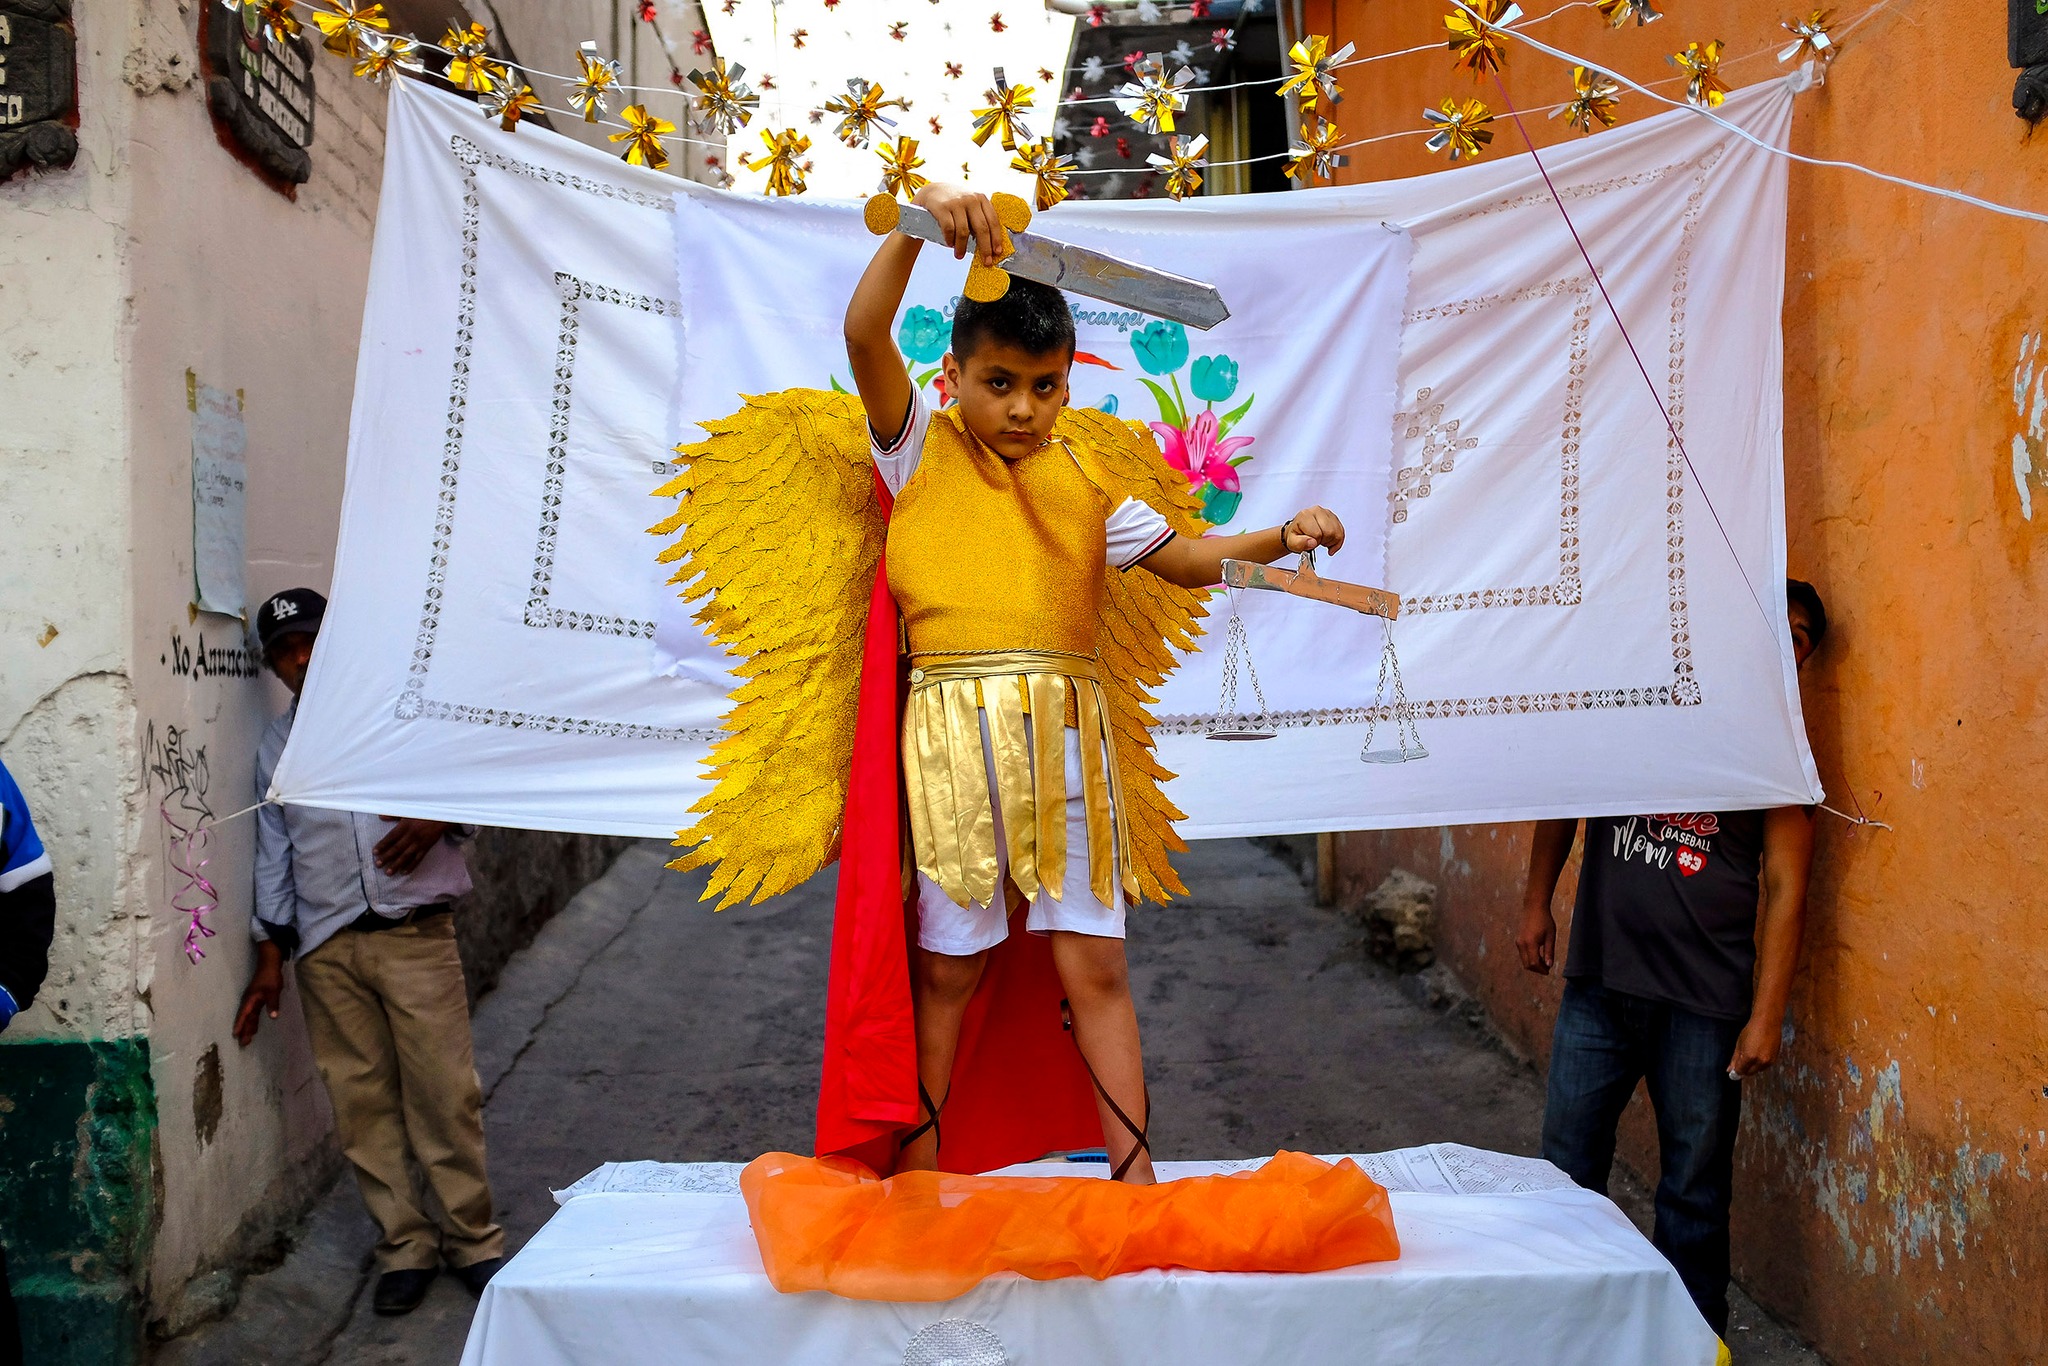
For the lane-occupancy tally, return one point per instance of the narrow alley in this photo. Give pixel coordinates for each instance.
(641, 1025)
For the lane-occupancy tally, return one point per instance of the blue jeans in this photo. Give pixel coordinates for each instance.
(1604, 1044)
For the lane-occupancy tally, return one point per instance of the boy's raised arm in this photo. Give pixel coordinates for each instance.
(878, 372)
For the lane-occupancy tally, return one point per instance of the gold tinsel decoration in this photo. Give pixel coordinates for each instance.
(1595, 96)
(785, 172)
(1478, 44)
(1152, 98)
(643, 136)
(1702, 67)
(1048, 172)
(509, 106)
(724, 100)
(1182, 166)
(472, 67)
(1315, 71)
(1316, 153)
(596, 77)
(1619, 12)
(860, 112)
(387, 57)
(899, 168)
(1461, 127)
(350, 30)
(1813, 38)
(1004, 115)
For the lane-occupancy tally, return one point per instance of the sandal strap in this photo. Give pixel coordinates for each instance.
(1144, 1143)
(932, 1124)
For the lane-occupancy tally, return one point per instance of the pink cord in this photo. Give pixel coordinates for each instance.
(1644, 370)
(198, 896)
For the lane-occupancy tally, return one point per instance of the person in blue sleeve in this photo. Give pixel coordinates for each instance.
(28, 921)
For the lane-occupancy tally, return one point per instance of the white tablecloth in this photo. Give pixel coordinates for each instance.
(1502, 1260)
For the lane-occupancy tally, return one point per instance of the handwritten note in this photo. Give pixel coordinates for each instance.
(219, 475)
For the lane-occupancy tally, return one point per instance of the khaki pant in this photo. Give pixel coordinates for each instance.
(390, 1029)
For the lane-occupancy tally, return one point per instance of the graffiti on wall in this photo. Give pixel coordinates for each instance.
(176, 773)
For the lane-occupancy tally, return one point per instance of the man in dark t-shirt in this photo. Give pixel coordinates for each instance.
(1684, 939)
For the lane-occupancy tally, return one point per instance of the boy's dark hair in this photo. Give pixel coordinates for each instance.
(1031, 316)
(1803, 594)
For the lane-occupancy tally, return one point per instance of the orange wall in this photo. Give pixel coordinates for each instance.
(1891, 1200)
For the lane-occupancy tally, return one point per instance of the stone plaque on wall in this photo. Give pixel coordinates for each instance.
(38, 85)
(260, 89)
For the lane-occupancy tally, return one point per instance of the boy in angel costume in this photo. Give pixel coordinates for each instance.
(990, 543)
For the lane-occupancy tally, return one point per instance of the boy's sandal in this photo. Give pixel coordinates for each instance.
(932, 1124)
(1143, 1144)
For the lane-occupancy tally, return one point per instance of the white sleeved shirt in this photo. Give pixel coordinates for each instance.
(1133, 531)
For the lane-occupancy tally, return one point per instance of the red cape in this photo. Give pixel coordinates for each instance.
(1019, 1088)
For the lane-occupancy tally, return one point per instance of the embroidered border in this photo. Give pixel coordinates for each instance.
(1585, 699)
(1684, 689)
(563, 725)
(539, 611)
(412, 702)
(1566, 589)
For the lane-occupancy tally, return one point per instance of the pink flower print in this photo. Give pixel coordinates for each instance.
(1199, 453)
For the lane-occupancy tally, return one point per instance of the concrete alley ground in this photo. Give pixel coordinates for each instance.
(641, 1025)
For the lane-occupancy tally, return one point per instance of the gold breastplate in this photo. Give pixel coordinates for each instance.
(997, 567)
(993, 554)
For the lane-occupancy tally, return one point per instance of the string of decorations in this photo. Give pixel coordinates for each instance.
(1698, 103)
(1478, 33)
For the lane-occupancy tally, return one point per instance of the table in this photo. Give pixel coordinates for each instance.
(1502, 1260)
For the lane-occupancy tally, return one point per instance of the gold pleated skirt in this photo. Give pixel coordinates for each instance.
(946, 775)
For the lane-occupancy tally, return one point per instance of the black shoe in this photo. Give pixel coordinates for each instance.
(400, 1292)
(477, 1275)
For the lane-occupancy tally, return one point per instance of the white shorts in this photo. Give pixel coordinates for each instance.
(943, 926)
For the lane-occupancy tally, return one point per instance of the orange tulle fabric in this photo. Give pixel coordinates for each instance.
(829, 1224)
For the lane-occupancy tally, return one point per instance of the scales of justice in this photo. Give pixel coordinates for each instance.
(1192, 303)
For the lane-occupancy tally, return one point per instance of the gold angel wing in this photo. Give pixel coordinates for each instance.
(1144, 621)
(777, 539)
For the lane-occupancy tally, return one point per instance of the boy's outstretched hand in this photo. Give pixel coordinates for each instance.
(1315, 528)
(964, 214)
(1197, 561)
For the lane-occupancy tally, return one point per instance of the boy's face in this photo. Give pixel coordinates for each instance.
(1009, 397)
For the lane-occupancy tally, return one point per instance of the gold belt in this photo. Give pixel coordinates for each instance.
(999, 663)
(954, 795)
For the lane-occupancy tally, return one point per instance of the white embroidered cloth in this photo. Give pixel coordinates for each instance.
(1577, 636)
(1502, 1259)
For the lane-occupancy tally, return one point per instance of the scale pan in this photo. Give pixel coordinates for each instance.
(1393, 756)
(1237, 733)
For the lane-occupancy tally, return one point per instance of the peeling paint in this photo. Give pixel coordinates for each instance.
(1889, 1198)
(2030, 405)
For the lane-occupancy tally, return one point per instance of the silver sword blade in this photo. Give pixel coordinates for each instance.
(1095, 274)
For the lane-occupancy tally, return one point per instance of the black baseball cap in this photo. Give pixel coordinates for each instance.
(295, 609)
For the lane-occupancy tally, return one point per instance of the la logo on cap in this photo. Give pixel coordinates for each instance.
(282, 606)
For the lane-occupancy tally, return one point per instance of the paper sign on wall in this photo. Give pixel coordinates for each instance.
(219, 477)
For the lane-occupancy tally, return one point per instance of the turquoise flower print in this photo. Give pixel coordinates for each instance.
(1214, 378)
(1161, 347)
(1106, 404)
(924, 334)
(1219, 504)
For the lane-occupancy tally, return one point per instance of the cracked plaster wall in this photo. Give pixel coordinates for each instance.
(157, 253)
(1890, 1199)
(261, 295)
